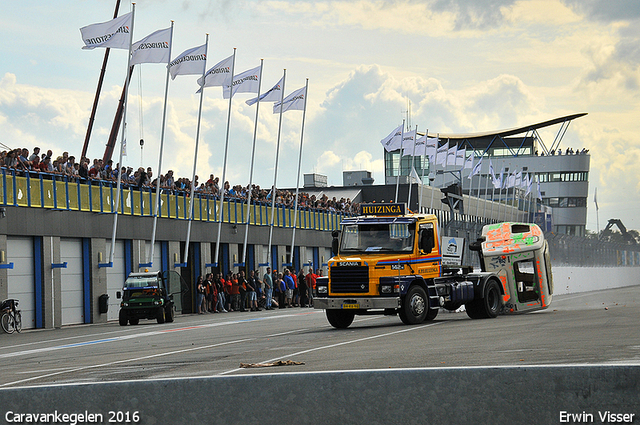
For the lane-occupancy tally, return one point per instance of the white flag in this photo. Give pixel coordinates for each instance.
(431, 148)
(540, 194)
(468, 163)
(115, 33)
(408, 140)
(219, 74)
(421, 144)
(393, 140)
(451, 155)
(154, 48)
(460, 157)
(476, 169)
(441, 154)
(295, 101)
(189, 62)
(272, 95)
(245, 82)
(511, 180)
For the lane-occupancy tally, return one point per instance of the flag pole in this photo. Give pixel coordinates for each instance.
(118, 185)
(164, 122)
(195, 160)
(595, 201)
(530, 183)
(295, 208)
(493, 192)
(253, 151)
(535, 201)
(424, 157)
(224, 166)
(98, 91)
(415, 135)
(400, 163)
(486, 191)
(435, 166)
(275, 174)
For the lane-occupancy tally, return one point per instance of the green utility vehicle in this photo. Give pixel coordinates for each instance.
(149, 295)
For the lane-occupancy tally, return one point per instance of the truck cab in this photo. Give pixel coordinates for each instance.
(519, 255)
(388, 261)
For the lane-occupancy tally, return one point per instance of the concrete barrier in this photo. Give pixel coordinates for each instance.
(570, 280)
(491, 395)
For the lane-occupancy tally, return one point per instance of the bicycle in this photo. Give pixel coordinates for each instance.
(11, 319)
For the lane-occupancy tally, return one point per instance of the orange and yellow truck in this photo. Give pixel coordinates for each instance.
(393, 262)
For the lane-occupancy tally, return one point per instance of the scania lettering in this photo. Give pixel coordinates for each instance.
(394, 265)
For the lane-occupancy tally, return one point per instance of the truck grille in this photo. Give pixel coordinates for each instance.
(349, 279)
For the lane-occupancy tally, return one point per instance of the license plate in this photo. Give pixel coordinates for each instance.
(345, 306)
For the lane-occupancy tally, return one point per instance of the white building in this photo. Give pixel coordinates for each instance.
(563, 178)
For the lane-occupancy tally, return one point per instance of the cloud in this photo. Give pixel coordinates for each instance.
(34, 115)
(475, 14)
(605, 10)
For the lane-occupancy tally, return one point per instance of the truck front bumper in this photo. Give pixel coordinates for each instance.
(356, 303)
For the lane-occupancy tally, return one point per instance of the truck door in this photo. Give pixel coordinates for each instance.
(526, 279)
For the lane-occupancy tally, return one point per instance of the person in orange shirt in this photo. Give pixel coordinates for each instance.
(235, 293)
(311, 285)
(227, 285)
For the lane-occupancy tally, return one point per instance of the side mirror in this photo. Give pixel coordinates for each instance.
(334, 242)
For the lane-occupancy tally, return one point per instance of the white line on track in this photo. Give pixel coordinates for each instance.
(186, 350)
(324, 347)
(133, 335)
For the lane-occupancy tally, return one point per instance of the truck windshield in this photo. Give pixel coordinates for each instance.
(377, 237)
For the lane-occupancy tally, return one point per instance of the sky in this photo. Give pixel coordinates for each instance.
(458, 66)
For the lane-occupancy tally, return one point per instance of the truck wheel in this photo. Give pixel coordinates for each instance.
(170, 313)
(340, 319)
(414, 306)
(160, 315)
(474, 309)
(488, 306)
(134, 321)
(492, 301)
(122, 318)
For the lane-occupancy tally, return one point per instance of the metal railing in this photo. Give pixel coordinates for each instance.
(56, 192)
(569, 250)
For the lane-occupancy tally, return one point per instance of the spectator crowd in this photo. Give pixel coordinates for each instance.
(253, 292)
(65, 166)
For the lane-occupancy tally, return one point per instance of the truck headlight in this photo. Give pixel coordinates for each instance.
(323, 290)
(124, 304)
(386, 289)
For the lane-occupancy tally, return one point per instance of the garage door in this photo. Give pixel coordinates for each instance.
(115, 278)
(21, 285)
(72, 287)
(157, 255)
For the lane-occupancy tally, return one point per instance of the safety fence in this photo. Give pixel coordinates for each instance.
(565, 250)
(587, 252)
(41, 190)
